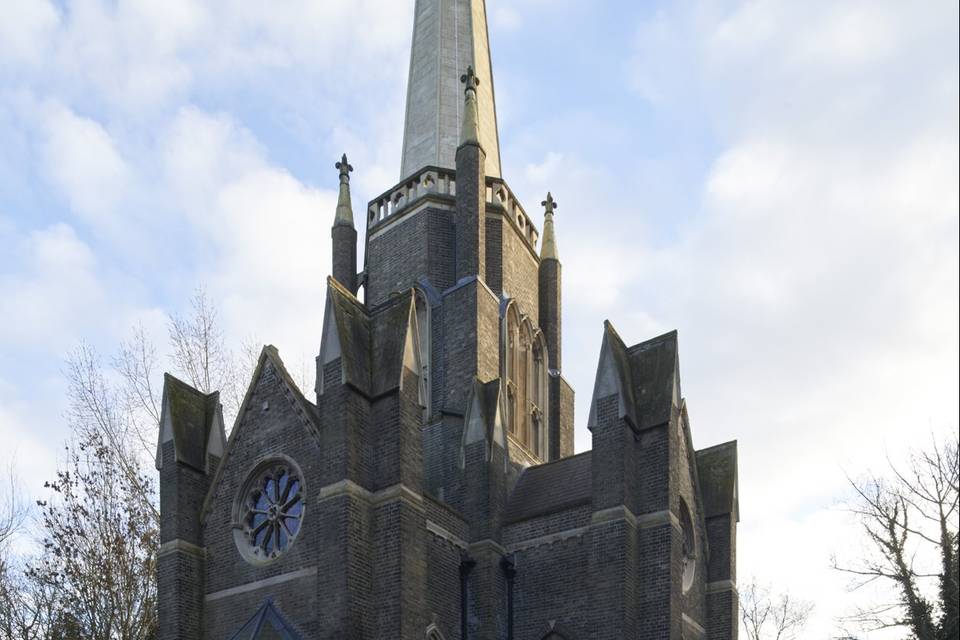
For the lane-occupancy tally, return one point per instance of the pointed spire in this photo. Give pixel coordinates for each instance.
(344, 215)
(448, 35)
(548, 249)
(470, 132)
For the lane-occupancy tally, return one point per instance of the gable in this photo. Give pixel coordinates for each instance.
(270, 377)
(266, 624)
(614, 378)
(192, 420)
(717, 470)
(656, 372)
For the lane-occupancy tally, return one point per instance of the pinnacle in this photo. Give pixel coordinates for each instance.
(344, 215)
(470, 133)
(548, 249)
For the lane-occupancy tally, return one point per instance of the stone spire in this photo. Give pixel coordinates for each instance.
(344, 215)
(548, 248)
(448, 37)
(344, 234)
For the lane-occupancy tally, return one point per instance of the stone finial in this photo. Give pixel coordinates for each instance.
(470, 80)
(550, 204)
(470, 133)
(345, 168)
(344, 215)
(548, 249)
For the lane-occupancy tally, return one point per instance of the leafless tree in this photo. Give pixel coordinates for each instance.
(200, 353)
(771, 616)
(95, 574)
(908, 517)
(13, 508)
(99, 548)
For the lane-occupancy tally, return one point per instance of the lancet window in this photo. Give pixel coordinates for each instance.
(423, 329)
(524, 365)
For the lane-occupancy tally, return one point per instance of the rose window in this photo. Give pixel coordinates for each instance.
(271, 513)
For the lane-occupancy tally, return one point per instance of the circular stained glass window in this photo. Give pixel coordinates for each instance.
(271, 511)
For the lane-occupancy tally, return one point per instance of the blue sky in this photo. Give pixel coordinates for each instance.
(777, 180)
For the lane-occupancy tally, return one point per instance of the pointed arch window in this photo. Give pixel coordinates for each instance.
(524, 368)
(423, 333)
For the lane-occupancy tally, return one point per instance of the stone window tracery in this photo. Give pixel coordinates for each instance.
(524, 371)
(270, 510)
(424, 318)
(689, 549)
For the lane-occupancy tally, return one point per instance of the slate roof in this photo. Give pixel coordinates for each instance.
(717, 469)
(191, 414)
(551, 487)
(621, 360)
(353, 332)
(267, 624)
(367, 338)
(654, 366)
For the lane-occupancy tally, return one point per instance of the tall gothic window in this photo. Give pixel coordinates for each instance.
(524, 370)
(423, 329)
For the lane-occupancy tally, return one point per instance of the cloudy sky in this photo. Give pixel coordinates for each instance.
(775, 179)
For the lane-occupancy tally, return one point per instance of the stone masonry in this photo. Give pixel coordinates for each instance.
(430, 489)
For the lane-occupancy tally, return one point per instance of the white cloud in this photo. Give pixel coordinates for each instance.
(84, 163)
(25, 30)
(50, 283)
(816, 291)
(265, 235)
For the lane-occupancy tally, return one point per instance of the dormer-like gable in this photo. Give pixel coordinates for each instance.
(193, 421)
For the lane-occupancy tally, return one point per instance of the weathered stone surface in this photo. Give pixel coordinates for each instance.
(449, 36)
(424, 512)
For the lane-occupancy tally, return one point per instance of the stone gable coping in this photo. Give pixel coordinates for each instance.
(269, 355)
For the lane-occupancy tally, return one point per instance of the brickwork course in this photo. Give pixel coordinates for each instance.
(429, 489)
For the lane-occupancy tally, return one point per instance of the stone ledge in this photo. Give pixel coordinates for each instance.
(260, 584)
(177, 544)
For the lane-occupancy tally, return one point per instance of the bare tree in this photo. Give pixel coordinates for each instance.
(200, 353)
(99, 549)
(907, 518)
(95, 574)
(771, 616)
(99, 416)
(13, 508)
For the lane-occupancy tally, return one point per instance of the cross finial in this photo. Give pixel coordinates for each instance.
(344, 167)
(550, 204)
(470, 79)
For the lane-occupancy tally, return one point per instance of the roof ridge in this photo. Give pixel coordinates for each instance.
(552, 462)
(652, 342)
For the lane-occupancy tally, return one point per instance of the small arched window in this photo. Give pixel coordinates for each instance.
(689, 550)
(424, 335)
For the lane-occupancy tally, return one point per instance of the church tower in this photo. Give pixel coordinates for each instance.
(430, 489)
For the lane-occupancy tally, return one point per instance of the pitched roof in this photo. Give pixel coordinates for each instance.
(551, 487)
(717, 469)
(352, 324)
(266, 624)
(656, 376)
(614, 377)
(367, 337)
(188, 417)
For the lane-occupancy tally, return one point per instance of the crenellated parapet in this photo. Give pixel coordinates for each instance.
(433, 186)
